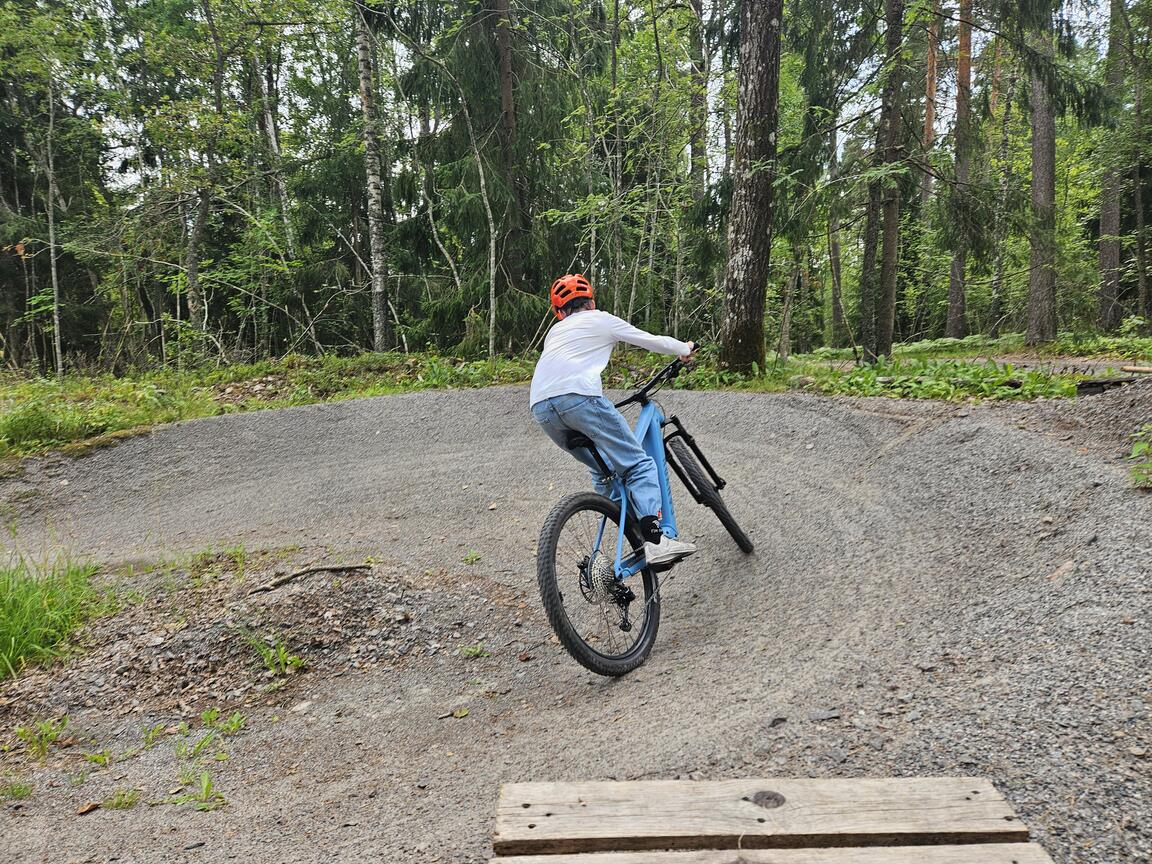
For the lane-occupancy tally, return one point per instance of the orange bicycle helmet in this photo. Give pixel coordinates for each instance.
(569, 288)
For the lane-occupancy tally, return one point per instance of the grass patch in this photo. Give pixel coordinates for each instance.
(41, 608)
(273, 653)
(79, 414)
(942, 379)
(226, 726)
(14, 790)
(38, 414)
(122, 799)
(40, 736)
(103, 758)
(186, 750)
(203, 795)
(1123, 347)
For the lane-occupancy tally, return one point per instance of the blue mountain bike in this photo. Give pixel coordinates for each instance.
(601, 598)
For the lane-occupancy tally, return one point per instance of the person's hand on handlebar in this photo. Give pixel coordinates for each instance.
(690, 356)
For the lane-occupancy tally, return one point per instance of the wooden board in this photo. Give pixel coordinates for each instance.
(979, 853)
(551, 818)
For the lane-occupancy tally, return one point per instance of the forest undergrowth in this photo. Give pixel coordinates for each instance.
(79, 412)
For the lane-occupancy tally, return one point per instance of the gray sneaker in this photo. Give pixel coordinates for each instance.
(667, 550)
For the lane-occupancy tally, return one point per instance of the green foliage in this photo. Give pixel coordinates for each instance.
(274, 653)
(955, 380)
(473, 651)
(1141, 458)
(122, 799)
(40, 608)
(597, 176)
(103, 758)
(41, 735)
(39, 414)
(225, 726)
(14, 790)
(185, 750)
(204, 795)
(1096, 345)
(153, 735)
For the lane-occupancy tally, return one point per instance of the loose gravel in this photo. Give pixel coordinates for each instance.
(937, 590)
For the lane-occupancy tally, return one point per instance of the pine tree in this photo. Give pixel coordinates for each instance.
(751, 221)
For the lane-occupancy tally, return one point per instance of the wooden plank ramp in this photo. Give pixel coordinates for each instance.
(803, 821)
(982, 853)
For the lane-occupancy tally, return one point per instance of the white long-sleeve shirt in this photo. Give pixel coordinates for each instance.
(577, 349)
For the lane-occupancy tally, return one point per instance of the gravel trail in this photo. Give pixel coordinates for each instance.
(959, 590)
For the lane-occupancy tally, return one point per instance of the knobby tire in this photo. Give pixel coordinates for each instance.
(553, 597)
(709, 497)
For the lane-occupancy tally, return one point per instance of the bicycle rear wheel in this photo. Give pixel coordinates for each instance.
(607, 625)
(709, 496)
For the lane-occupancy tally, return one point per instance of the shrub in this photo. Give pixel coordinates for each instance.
(40, 609)
(920, 379)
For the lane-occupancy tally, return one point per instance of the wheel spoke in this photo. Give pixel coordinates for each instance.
(587, 584)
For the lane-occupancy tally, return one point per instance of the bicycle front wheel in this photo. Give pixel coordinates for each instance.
(607, 625)
(709, 496)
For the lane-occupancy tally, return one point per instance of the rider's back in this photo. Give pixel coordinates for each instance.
(578, 348)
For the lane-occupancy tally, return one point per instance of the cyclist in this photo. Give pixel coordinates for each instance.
(567, 395)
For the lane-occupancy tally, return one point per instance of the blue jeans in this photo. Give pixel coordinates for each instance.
(598, 418)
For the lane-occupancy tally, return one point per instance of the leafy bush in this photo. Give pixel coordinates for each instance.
(1125, 347)
(39, 610)
(1141, 456)
(946, 379)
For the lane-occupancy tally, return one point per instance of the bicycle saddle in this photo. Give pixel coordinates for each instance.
(576, 440)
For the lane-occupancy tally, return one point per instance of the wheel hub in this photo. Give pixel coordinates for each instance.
(598, 582)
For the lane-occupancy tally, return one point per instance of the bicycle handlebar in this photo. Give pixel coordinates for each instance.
(666, 374)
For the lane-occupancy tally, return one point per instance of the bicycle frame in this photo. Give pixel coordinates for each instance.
(649, 432)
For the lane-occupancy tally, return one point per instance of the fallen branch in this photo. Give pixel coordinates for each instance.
(1092, 386)
(327, 568)
(1139, 370)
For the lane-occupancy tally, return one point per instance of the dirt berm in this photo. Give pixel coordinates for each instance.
(958, 590)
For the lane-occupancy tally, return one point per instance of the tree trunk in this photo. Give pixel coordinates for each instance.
(884, 196)
(197, 312)
(751, 218)
(197, 308)
(1141, 252)
(996, 311)
(616, 162)
(514, 259)
(994, 87)
(51, 159)
(838, 328)
(1138, 206)
(784, 348)
(1042, 273)
(381, 325)
(930, 89)
(889, 269)
(271, 135)
(869, 287)
(698, 101)
(957, 327)
(804, 302)
(1110, 310)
